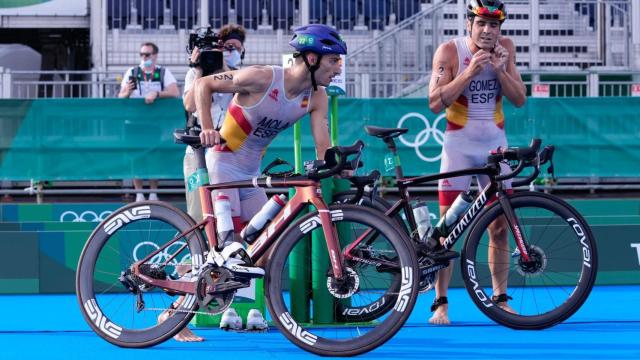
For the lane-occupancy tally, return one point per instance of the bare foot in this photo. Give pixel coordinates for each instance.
(185, 335)
(441, 316)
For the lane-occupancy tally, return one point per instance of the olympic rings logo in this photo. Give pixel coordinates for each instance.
(144, 248)
(86, 216)
(425, 135)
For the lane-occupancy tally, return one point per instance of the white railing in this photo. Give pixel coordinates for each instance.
(561, 83)
(61, 84)
(360, 84)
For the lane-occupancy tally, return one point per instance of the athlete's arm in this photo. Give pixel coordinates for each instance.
(510, 80)
(319, 123)
(445, 87)
(250, 80)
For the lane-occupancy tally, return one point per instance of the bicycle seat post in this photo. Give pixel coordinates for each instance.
(391, 145)
(200, 159)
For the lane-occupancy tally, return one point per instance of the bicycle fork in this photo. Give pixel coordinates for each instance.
(514, 225)
(330, 234)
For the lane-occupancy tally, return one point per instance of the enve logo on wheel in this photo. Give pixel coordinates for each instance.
(125, 217)
(424, 136)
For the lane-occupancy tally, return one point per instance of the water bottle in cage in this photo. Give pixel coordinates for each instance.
(259, 220)
(443, 227)
(224, 222)
(423, 220)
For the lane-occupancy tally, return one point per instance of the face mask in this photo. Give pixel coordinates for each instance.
(232, 58)
(146, 63)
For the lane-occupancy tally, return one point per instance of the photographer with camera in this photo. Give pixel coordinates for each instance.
(210, 53)
(149, 81)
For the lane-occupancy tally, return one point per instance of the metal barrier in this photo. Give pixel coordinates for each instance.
(360, 83)
(385, 84)
(62, 84)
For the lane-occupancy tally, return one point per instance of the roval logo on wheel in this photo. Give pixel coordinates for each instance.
(430, 130)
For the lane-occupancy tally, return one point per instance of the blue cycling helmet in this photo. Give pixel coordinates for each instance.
(318, 38)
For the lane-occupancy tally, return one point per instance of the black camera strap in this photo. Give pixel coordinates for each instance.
(158, 73)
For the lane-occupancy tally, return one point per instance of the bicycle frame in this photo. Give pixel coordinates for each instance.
(494, 188)
(307, 192)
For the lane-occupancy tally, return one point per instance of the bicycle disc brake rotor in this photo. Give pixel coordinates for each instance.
(345, 287)
(536, 266)
(213, 303)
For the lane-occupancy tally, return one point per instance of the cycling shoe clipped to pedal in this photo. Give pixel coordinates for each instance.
(234, 257)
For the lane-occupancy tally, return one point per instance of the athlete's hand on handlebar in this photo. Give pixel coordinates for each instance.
(209, 137)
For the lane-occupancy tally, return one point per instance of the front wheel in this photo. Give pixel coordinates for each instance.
(323, 330)
(551, 286)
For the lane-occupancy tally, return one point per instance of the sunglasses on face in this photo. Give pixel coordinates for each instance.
(490, 12)
(145, 54)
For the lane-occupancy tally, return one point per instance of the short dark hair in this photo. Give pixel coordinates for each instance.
(234, 31)
(153, 46)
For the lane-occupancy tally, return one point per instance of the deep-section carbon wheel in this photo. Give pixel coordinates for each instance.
(118, 305)
(556, 280)
(386, 266)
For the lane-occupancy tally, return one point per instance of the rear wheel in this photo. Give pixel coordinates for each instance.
(108, 292)
(324, 330)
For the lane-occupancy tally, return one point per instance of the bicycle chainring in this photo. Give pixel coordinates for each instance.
(428, 270)
(209, 301)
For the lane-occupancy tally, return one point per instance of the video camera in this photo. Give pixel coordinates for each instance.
(210, 46)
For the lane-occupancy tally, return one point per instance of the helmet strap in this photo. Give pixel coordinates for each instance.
(312, 69)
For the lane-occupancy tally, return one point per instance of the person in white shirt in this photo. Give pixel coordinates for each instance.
(150, 81)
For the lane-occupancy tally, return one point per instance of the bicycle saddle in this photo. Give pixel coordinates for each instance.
(384, 132)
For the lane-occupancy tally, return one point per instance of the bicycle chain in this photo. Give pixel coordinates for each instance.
(179, 310)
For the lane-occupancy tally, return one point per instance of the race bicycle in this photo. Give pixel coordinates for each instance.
(552, 251)
(150, 258)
